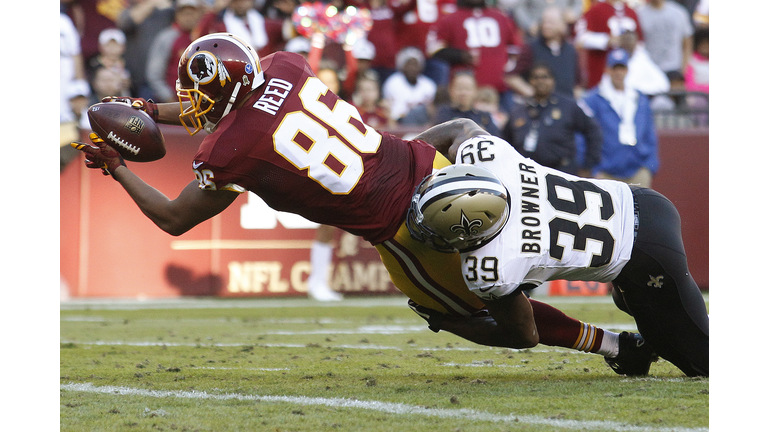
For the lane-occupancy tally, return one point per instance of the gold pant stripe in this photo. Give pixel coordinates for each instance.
(414, 277)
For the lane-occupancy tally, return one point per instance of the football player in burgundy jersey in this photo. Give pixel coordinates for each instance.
(598, 31)
(478, 38)
(517, 224)
(276, 130)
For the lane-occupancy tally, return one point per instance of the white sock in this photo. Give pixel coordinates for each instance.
(320, 257)
(610, 345)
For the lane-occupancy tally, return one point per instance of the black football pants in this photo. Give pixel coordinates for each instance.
(656, 288)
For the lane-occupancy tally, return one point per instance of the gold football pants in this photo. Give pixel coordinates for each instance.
(430, 278)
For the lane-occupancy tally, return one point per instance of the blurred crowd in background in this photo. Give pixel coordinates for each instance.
(570, 83)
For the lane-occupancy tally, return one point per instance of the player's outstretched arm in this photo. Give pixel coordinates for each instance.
(177, 216)
(191, 207)
(446, 137)
(168, 113)
(165, 113)
(479, 328)
(514, 314)
(483, 331)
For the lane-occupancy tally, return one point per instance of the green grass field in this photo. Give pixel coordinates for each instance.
(364, 364)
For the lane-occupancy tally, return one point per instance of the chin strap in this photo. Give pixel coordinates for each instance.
(210, 126)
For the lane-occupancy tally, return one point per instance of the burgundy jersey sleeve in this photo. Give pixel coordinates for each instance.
(304, 150)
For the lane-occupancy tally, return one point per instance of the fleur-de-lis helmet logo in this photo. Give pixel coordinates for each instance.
(466, 227)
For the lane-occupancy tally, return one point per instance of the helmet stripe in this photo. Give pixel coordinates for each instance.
(427, 200)
(466, 183)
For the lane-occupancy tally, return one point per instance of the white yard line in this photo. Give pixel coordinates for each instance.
(397, 300)
(384, 407)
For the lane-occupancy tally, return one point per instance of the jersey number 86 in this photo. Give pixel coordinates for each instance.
(306, 141)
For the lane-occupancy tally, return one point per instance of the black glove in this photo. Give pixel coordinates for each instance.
(431, 316)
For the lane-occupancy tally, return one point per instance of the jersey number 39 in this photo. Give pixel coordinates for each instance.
(574, 208)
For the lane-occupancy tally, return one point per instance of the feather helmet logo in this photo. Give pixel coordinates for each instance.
(204, 67)
(466, 227)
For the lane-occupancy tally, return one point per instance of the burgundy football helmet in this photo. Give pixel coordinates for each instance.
(216, 72)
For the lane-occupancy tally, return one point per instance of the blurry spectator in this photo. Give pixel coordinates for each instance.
(111, 50)
(383, 37)
(462, 93)
(408, 87)
(412, 22)
(298, 45)
(552, 48)
(680, 109)
(169, 45)
(329, 75)
(107, 81)
(141, 21)
(598, 31)
(529, 13)
(677, 87)
(413, 19)
(484, 40)
(90, 17)
(544, 127)
(240, 18)
(73, 88)
(367, 99)
(279, 9)
(671, 108)
(689, 6)
(630, 145)
(668, 34)
(363, 52)
(697, 72)
(701, 14)
(278, 24)
(319, 57)
(488, 101)
(424, 114)
(643, 74)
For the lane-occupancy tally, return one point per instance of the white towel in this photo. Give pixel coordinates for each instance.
(625, 104)
(256, 36)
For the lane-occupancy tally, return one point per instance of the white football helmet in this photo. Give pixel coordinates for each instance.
(457, 208)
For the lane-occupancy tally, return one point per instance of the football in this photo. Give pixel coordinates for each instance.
(130, 131)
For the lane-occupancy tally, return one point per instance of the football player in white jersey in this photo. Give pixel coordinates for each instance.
(517, 224)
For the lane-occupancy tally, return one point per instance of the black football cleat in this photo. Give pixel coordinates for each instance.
(635, 356)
